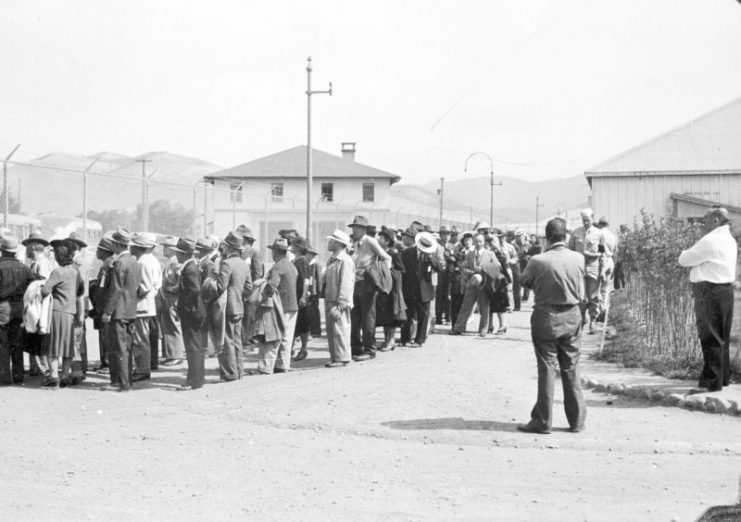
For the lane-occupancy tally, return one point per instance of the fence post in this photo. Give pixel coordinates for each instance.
(5, 185)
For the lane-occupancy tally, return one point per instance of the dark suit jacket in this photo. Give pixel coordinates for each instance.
(234, 279)
(490, 267)
(190, 305)
(282, 278)
(417, 278)
(120, 293)
(206, 268)
(257, 265)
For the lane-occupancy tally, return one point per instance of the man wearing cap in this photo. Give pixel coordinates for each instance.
(119, 309)
(339, 282)
(363, 314)
(586, 240)
(150, 282)
(39, 263)
(442, 291)
(557, 279)
(192, 314)
(103, 253)
(172, 332)
(712, 262)
(420, 263)
(14, 279)
(281, 280)
(234, 280)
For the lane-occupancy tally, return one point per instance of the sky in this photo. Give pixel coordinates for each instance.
(546, 89)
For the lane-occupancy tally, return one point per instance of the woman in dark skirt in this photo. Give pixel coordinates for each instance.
(390, 308)
(306, 290)
(499, 300)
(66, 288)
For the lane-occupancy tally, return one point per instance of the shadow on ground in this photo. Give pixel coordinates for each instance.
(450, 423)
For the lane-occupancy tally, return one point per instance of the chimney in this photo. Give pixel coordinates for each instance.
(348, 150)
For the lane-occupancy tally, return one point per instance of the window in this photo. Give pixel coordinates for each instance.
(235, 194)
(368, 192)
(327, 192)
(276, 191)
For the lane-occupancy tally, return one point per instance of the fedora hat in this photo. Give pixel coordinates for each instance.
(339, 236)
(410, 232)
(63, 242)
(389, 233)
(204, 244)
(75, 238)
(425, 242)
(299, 242)
(519, 232)
(443, 230)
(35, 237)
(143, 239)
(105, 244)
(288, 233)
(9, 244)
(185, 245)
(121, 236)
(455, 229)
(280, 244)
(169, 241)
(498, 232)
(359, 221)
(416, 226)
(482, 225)
(245, 231)
(233, 239)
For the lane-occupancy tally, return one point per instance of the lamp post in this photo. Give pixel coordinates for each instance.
(491, 182)
(309, 181)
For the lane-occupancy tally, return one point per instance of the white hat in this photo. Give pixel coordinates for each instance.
(476, 280)
(519, 232)
(425, 242)
(339, 236)
(481, 225)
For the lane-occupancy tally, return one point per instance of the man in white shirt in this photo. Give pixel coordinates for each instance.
(607, 262)
(713, 270)
(586, 240)
(142, 244)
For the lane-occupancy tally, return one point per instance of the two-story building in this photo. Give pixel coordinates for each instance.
(269, 194)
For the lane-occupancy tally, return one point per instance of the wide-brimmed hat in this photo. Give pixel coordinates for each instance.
(245, 231)
(75, 238)
(169, 241)
(280, 244)
(5, 232)
(359, 221)
(498, 232)
(299, 242)
(233, 239)
(389, 233)
(519, 232)
(425, 242)
(468, 233)
(456, 229)
(143, 239)
(481, 225)
(55, 243)
(9, 244)
(185, 245)
(416, 226)
(339, 236)
(35, 237)
(105, 244)
(204, 244)
(121, 236)
(288, 233)
(443, 230)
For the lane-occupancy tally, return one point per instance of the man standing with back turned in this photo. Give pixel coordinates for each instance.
(713, 262)
(557, 278)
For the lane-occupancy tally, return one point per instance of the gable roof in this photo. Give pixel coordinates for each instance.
(291, 163)
(709, 144)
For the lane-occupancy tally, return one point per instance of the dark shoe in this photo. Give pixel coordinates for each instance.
(578, 429)
(140, 377)
(76, 379)
(50, 383)
(103, 370)
(502, 330)
(280, 370)
(529, 428)
(18, 382)
(303, 354)
(455, 332)
(66, 381)
(364, 357)
(338, 364)
(387, 347)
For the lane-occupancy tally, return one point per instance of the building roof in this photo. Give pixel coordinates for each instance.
(708, 144)
(291, 163)
(703, 202)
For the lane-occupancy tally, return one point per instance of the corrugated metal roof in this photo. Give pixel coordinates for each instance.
(710, 143)
(291, 163)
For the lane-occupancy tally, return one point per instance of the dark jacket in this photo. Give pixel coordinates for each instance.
(14, 279)
(119, 299)
(257, 265)
(417, 278)
(282, 278)
(234, 279)
(190, 305)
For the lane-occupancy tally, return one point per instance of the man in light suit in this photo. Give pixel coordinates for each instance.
(421, 261)
(234, 279)
(476, 264)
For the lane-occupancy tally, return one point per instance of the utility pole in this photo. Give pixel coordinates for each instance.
(440, 193)
(5, 186)
(309, 180)
(145, 195)
(491, 182)
(538, 206)
(84, 200)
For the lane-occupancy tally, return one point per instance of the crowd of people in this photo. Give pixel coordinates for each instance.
(214, 297)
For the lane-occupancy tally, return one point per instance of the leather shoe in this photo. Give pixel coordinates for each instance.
(337, 364)
(529, 428)
(364, 357)
(455, 332)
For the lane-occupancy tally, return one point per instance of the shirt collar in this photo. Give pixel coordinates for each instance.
(554, 246)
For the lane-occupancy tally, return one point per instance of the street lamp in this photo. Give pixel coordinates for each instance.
(309, 181)
(491, 182)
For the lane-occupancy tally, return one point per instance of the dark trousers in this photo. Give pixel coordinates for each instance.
(120, 340)
(456, 300)
(154, 341)
(194, 340)
(141, 354)
(363, 319)
(516, 288)
(714, 314)
(230, 357)
(418, 317)
(442, 298)
(11, 353)
(556, 334)
(103, 344)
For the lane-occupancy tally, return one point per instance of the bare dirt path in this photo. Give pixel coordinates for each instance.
(417, 434)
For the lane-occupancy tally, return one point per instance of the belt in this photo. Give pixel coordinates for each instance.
(708, 283)
(558, 307)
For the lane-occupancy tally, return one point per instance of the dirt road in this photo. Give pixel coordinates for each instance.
(417, 434)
